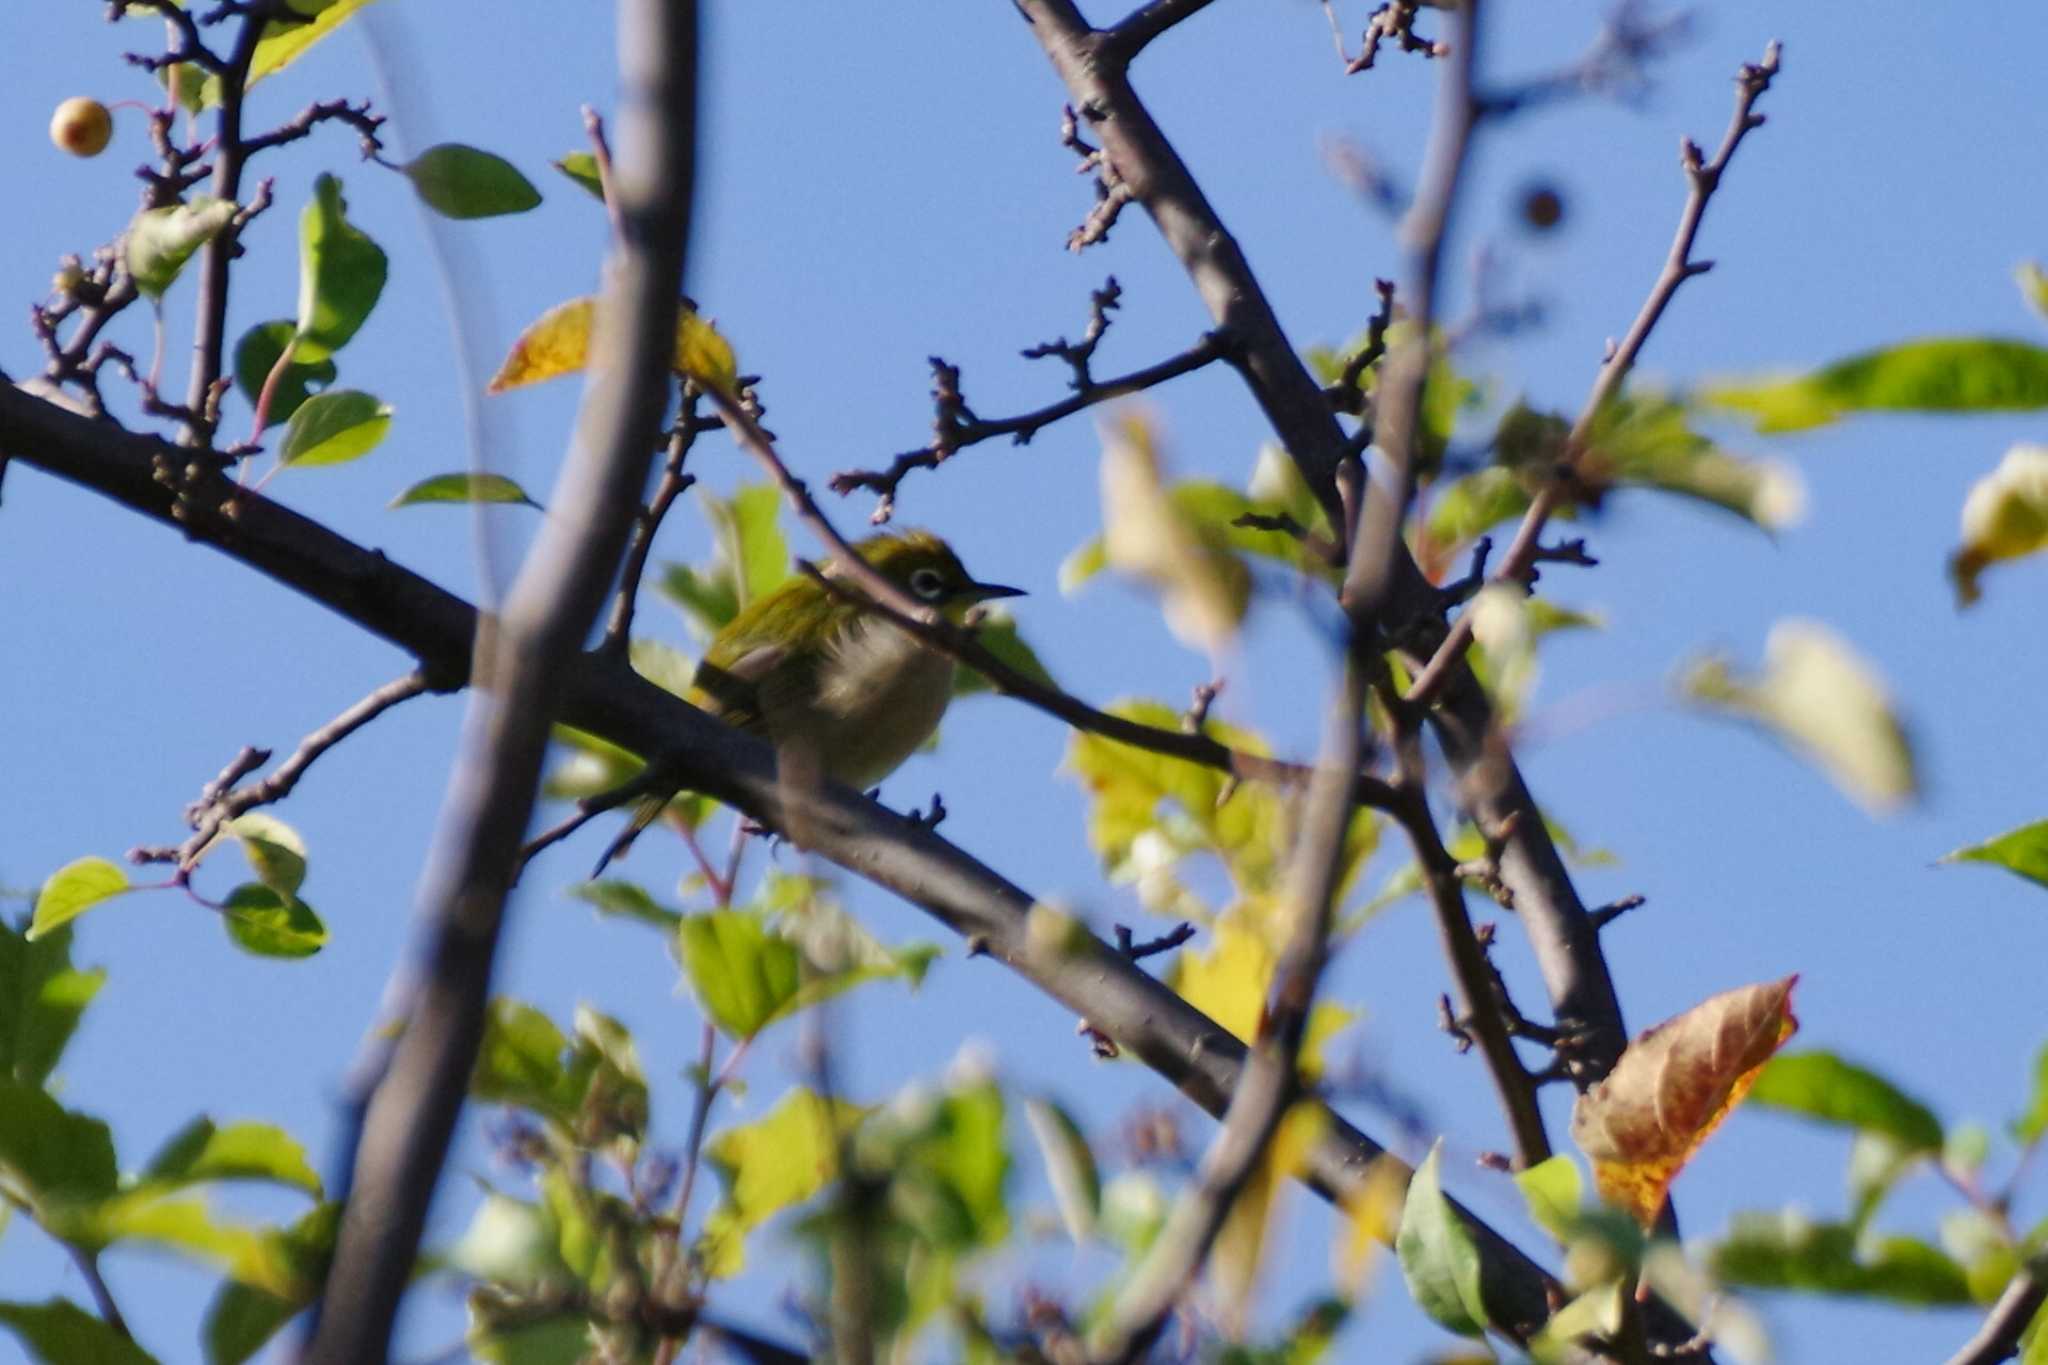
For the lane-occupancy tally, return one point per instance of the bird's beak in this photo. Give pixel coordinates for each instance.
(983, 592)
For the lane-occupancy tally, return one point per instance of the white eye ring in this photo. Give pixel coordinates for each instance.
(929, 584)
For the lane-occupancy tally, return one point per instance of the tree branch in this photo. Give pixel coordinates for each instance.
(1999, 1336)
(1271, 1077)
(956, 428)
(527, 662)
(607, 698)
(210, 331)
(221, 801)
(1702, 178)
(1128, 38)
(1567, 950)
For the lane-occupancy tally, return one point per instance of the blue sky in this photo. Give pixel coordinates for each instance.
(885, 182)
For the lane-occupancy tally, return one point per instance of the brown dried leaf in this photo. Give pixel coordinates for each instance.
(1671, 1089)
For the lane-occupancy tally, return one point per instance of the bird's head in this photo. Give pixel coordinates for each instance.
(926, 567)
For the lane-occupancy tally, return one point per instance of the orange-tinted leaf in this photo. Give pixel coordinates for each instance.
(1671, 1089)
(558, 343)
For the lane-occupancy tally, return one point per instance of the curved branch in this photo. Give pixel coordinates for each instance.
(1999, 1336)
(405, 1129)
(1567, 951)
(605, 697)
(957, 433)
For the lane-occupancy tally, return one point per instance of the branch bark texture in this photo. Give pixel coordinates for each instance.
(522, 669)
(1566, 947)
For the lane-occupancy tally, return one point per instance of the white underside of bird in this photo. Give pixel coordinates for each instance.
(879, 698)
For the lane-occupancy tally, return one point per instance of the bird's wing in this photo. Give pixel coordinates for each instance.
(752, 687)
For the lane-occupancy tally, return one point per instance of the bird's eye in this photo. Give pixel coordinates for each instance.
(929, 584)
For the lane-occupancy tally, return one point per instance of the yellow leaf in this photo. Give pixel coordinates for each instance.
(1228, 982)
(1671, 1089)
(558, 343)
(2004, 517)
(1372, 1215)
(1817, 695)
(1203, 588)
(1236, 1259)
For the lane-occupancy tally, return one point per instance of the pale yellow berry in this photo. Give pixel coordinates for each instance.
(81, 126)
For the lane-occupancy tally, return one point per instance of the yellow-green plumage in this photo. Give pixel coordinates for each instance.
(832, 683)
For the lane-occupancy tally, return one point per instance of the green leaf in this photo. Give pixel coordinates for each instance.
(2005, 517)
(1643, 440)
(2029, 1127)
(285, 41)
(334, 428)
(269, 924)
(341, 273)
(1822, 1086)
(2033, 283)
(1818, 697)
(59, 1332)
(1789, 1251)
(511, 1242)
(1149, 812)
(243, 1317)
(563, 1339)
(1439, 1259)
(520, 1061)
(774, 1163)
(256, 355)
(1876, 1164)
(464, 182)
(276, 853)
(581, 167)
(1555, 1194)
(1069, 1167)
(628, 901)
(663, 665)
(452, 488)
(41, 998)
(998, 634)
(2023, 852)
(749, 531)
(202, 1151)
(72, 890)
(743, 976)
(160, 241)
(1464, 509)
(57, 1156)
(751, 558)
(1942, 374)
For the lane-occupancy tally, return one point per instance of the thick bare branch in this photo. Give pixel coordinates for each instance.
(607, 698)
(526, 663)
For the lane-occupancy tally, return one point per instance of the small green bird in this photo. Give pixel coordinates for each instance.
(836, 688)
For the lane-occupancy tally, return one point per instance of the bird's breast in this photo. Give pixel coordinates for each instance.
(880, 696)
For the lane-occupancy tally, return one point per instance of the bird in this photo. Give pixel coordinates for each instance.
(838, 689)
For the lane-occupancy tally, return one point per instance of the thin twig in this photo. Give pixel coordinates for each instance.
(956, 429)
(221, 801)
(1271, 1080)
(209, 336)
(1479, 1020)
(1702, 179)
(674, 481)
(88, 1263)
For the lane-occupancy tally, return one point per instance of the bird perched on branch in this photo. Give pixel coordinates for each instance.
(838, 689)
